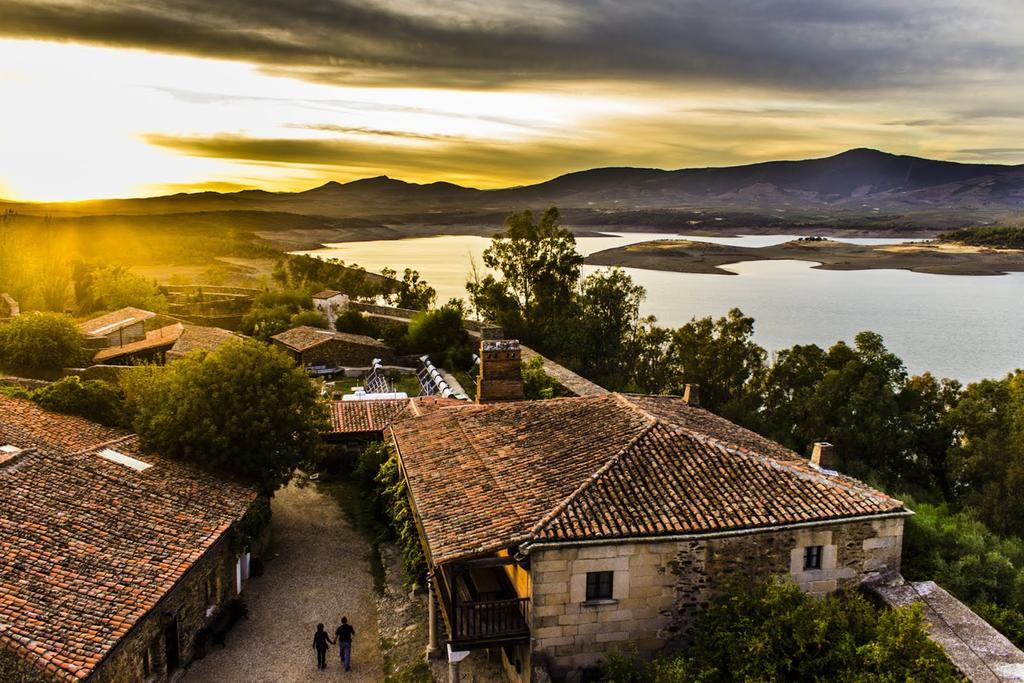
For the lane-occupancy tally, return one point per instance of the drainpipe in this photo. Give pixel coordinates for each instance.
(433, 649)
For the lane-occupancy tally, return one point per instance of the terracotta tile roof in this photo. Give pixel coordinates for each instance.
(599, 467)
(365, 416)
(111, 322)
(198, 338)
(304, 338)
(89, 546)
(349, 417)
(155, 339)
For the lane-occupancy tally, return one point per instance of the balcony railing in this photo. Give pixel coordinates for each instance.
(492, 619)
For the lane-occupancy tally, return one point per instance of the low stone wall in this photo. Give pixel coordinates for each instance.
(979, 651)
(658, 587)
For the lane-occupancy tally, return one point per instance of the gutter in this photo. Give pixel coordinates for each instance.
(527, 547)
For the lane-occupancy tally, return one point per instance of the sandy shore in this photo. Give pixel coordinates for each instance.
(687, 256)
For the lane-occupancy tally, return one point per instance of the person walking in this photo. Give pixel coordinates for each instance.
(320, 641)
(344, 635)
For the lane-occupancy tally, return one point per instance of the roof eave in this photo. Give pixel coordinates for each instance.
(529, 545)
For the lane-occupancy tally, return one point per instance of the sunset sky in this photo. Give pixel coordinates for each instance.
(122, 98)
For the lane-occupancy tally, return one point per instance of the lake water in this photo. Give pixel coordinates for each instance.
(954, 326)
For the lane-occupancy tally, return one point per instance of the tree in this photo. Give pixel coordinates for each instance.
(440, 333)
(607, 321)
(409, 292)
(244, 409)
(537, 384)
(652, 369)
(40, 343)
(721, 356)
(539, 268)
(113, 287)
(987, 462)
(274, 312)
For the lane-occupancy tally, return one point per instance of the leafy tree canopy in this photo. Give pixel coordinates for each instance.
(409, 292)
(539, 268)
(244, 409)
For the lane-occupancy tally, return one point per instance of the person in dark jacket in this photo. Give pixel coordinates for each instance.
(320, 641)
(344, 635)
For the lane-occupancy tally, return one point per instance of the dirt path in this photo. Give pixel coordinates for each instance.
(320, 574)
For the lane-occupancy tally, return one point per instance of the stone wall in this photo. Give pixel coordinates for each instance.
(214, 574)
(338, 353)
(659, 586)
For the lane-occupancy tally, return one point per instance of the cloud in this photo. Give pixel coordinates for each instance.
(828, 45)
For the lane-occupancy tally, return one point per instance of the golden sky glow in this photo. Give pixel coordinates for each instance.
(88, 116)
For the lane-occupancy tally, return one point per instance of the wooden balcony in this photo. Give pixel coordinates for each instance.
(491, 621)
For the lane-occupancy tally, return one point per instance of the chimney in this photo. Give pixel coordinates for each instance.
(501, 376)
(691, 394)
(824, 456)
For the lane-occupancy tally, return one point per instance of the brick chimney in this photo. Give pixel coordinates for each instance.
(691, 394)
(501, 376)
(824, 456)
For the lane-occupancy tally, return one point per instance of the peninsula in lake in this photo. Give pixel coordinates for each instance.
(939, 257)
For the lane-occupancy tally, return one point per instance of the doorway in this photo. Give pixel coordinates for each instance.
(171, 646)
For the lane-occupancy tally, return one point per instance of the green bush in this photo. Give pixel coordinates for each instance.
(773, 631)
(537, 384)
(92, 399)
(440, 333)
(40, 343)
(310, 319)
(354, 322)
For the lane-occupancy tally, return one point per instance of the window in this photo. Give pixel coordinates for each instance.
(812, 557)
(599, 585)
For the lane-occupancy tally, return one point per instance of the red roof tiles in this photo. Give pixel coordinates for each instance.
(89, 546)
(348, 417)
(601, 467)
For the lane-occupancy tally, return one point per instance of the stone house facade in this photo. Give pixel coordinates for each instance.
(115, 559)
(330, 304)
(594, 522)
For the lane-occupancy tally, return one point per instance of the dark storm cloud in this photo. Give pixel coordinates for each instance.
(467, 157)
(803, 44)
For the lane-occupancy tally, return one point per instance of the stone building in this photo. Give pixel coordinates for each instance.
(152, 348)
(330, 303)
(594, 522)
(8, 306)
(314, 347)
(113, 560)
(120, 327)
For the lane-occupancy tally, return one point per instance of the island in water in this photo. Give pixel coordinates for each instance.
(940, 257)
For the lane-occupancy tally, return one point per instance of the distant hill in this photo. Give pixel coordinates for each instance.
(859, 182)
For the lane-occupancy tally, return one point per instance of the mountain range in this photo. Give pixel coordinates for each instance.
(858, 182)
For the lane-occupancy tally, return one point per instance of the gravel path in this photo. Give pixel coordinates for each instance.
(319, 575)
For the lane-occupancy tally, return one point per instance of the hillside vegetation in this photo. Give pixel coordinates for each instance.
(998, 237)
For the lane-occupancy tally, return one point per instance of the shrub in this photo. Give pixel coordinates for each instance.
(354, 322)
(40, 343)
(92, 399)
(772, 631)
(441, 334)
(537, 384)
(309, 318)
